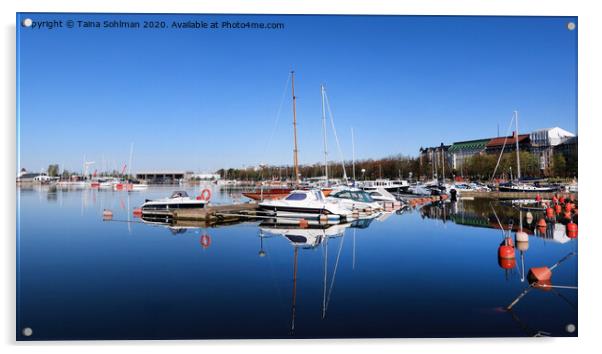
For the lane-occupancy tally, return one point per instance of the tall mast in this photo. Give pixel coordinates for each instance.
(517, 152)
(353, 153)
(130, 163)
(324, 133)
(295, 157)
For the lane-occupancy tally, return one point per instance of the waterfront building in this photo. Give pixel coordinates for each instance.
(163, 176)
(508, 143)
(544, 141)
(462, 150)
(434, 160)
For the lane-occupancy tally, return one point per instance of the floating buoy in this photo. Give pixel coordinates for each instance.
(571, 227)
(567, 214)
(522, 236)
(545, 285)
(542, 223)
(205, 241)
(522, 245)
(561, 200)
(506, 252)
(549, 212)
(137, 212)
(507, 263)
(303, 224)
(554, 199)
(569, 206)
(529, 217)
(537, 274)
(107, 214)
(205, 194)
(538, 198)
(557, 209)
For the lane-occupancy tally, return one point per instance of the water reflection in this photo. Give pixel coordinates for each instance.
(398, 274)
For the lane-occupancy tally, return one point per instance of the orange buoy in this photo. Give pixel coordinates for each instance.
(571, 226)
(303, 224)
(506, 252)
(544, 285)
(107, 214)
(205, 241)
(542, 223)
(205, 194)
(569, 206)
(561, 200)
(537, 274)
(567, 214)
(137, 212)
(557, 209)
(507, 263)
(554, 199)
(538, 198)
(549, 212)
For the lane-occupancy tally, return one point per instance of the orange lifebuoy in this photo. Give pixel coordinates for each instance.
(205, 241)
(205, 194)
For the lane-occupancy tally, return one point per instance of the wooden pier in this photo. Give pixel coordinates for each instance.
(211, 214)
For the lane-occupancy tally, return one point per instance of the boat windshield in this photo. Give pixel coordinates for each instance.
(361, 196)
(179, 194)
(296, 196)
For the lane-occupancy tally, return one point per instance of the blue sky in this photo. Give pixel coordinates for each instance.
(205, 99)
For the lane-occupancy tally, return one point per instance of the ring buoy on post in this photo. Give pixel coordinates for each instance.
(205, 194)
(205, 241)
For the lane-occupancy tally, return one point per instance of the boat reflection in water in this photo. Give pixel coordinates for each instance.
(311, 237)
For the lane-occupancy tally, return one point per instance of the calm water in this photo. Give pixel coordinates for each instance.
(428, 272)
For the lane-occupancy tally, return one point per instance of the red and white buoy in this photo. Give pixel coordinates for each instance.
(107, 214)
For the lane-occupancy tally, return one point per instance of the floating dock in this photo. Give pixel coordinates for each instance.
(211, 213)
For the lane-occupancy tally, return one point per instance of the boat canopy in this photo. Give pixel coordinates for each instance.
(179, 194)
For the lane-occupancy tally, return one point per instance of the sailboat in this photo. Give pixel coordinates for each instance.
(518, 186)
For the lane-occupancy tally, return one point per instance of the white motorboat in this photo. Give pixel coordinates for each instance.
(306, 204)
(380, 195)
(354, 199)
(386, 184)
(178, 200)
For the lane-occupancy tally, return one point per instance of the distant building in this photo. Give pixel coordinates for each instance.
(205, 176)
(163, 176)
(460, 151)
(544, 141)
(568, 148)
(508, 143)
(436, 158)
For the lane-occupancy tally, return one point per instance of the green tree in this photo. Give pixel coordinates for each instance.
(53, 170)
(559, 165)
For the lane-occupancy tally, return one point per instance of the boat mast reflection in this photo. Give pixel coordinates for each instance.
(303, 238)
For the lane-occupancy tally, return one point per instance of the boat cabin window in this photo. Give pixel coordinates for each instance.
(296, 196)
(343, 195)
(179, 194)
(318, 195)
(362, 197)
